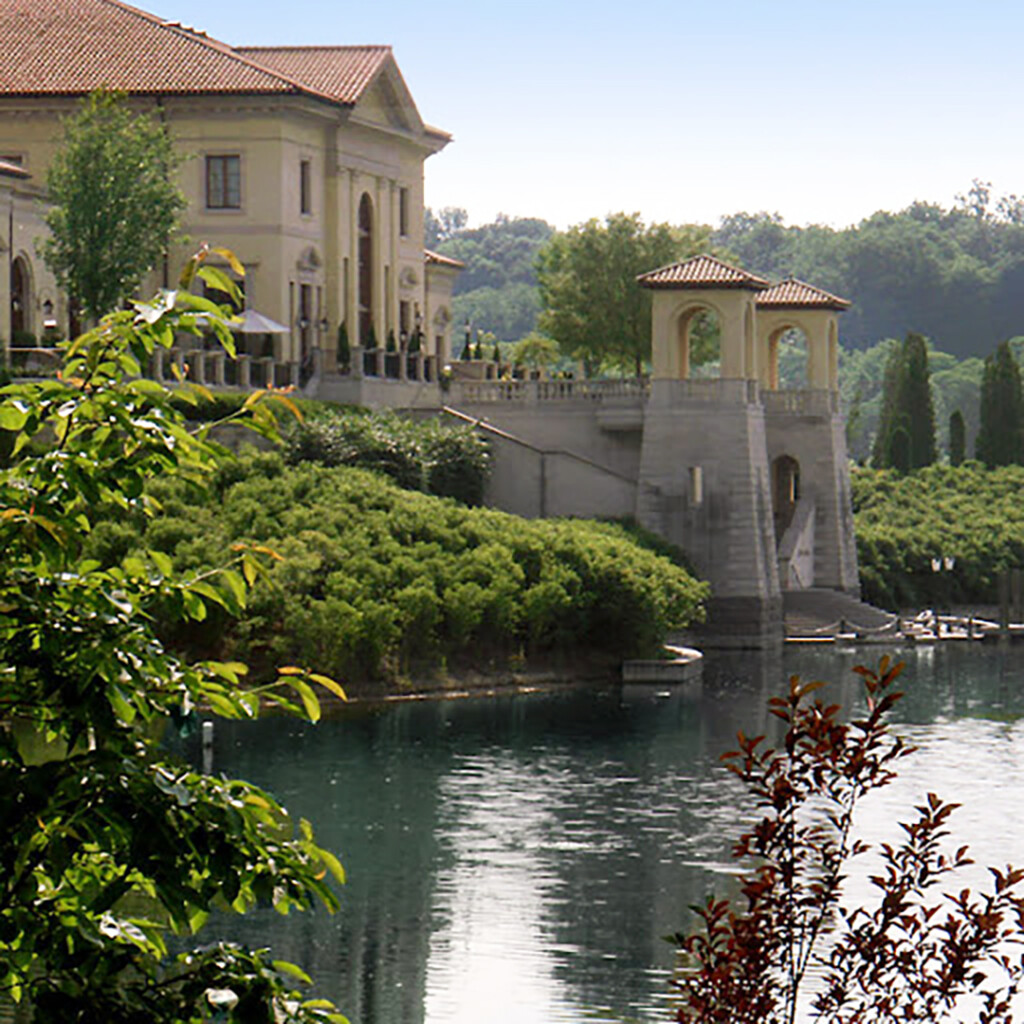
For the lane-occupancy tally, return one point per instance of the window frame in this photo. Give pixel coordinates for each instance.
(305, 187)
(222, 160)
(403, 211)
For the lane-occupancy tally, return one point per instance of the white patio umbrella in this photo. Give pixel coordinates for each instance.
(256, 323)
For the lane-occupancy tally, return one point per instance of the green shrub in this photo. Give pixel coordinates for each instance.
(375, 579)
(447, 460)
(967, 512)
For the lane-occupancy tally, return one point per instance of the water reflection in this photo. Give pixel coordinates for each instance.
(520, 858)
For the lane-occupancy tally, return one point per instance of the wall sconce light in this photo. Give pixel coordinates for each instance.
(323, 325)
(48, 309)
(303, 322)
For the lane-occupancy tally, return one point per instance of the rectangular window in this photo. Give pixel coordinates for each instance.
(403, 212)
(305, 187)
(16, 159)
(224, 182)
(403, 318)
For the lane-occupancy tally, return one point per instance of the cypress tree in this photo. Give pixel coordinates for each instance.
(915, 401)
(957, 438)
(906, 427)
(1002, 414)
(898, 452)
(344, 349)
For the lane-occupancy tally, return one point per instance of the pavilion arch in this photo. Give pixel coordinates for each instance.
(792, 304)
(680, 290)
(686, 319)
(771, 377)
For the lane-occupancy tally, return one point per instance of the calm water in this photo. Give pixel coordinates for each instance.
(518, 859)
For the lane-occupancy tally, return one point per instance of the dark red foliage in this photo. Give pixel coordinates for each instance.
(912, 957)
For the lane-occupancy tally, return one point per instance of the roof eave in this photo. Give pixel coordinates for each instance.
(837, 307)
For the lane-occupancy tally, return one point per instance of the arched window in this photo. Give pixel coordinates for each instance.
(365, 258)
(21, 297)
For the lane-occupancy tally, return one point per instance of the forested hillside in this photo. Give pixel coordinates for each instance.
(952, 273)
(955, 275)
(497, 291)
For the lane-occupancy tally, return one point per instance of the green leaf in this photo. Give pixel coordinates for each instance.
(305, 692)
(285, 967)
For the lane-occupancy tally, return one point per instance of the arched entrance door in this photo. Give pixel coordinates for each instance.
(365, 257)
(20, 297)
(785, 492)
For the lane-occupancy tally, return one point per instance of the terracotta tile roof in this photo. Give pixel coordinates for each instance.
(701, 272)
(438, 259)
(70, 47)
(794, 294)
(13, 170)
(341, 72)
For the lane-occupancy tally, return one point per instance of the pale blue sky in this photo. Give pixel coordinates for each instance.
(686, 111)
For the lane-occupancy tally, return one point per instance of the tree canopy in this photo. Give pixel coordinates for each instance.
(953, 273)
(592, 304)
(497, 291)
(109, 845)
(115, 203)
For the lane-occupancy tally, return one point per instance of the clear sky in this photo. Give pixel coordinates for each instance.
(822, 111)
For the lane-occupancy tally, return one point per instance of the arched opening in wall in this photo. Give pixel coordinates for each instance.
(365, 261)
(788, 358)
(785, 492)
(698, 336)
(21, 298)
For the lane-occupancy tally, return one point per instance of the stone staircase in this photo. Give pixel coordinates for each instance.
(820, 612)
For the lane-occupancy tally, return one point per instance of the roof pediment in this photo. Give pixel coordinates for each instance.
(701, 272)
(794, 294)
(387, 102)
(342, 73)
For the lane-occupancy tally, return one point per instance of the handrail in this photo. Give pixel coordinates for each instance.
(489, 428)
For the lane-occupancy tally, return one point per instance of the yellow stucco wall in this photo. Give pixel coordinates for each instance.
(378, 148)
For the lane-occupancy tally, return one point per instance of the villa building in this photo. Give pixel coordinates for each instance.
(307, 162)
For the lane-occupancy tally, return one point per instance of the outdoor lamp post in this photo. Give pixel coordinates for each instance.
(940, 564)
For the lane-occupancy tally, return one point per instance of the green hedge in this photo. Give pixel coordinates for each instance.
(376, 580)
(447, 460)
(967, 512)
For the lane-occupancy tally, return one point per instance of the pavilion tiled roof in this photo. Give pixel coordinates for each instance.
(438, 259)
(794, 294)
(341, 72)
(701, 272)
(71, 47)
